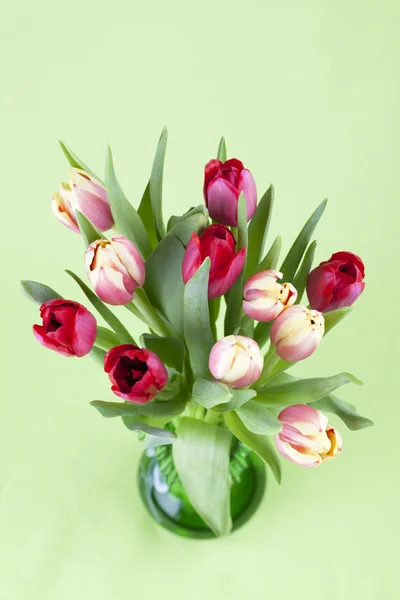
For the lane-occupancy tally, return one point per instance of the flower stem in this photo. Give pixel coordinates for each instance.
(141, 307)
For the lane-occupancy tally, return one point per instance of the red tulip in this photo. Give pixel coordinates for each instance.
(136, 374)
(223, 183)
(68, 327)
(218, 243)
(336, 282)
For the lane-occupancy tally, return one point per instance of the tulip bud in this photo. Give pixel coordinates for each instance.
(67, 327)
(297, 332)
(306, 437)
(265, 299)
(236, 361)
(136, 374)
(336, 282)
(115, 269)
(218, 243)
(61, 204)
(223, 183)
(89, 196)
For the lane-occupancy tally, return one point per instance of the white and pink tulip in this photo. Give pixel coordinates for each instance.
(307, 438)
(115, 269)
(89, 196)
(61, 205)
(236, 360)
(265, 298)
(297, 332)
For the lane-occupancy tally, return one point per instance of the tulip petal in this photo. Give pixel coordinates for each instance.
(346, 297)
(84, 332)
(221, 356)
(307, 460)
(308, 420)
(221, 282)
(223, 202)
(40, 334)
(211, 170)
(247, 185)
(298, 345)
(130, 257)
(320, 285)
(263, 309)
(110, 286)
(192, 258)
(287, 321)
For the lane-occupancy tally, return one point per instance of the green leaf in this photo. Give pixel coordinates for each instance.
(258, 230)
(141, 424)
(127, 220)
(234, 305)
(106, 339)
(303, 391)
(168, 349)
(75, 161)
(300, 280)
(38, 292)
(88, 231)
(98, 355)
(194, 210)
(295, 254)
(270, 261)
(210, 393)
(198, 333)
(193, 223)
(201, 457)
(164, 285)
(152, 441)
(156, 185)
(260, 444)
(345, 411)
(334, 317)
(239, 398)
(172, 408)
(261, 333)
(145, 212)
(105, 312)
(221, 154)
(259, 419)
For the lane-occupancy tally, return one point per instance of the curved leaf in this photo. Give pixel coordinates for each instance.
(38, 292)
(258, 419)
(193, 223)
(172, 408)
(260, 444)
(156, 185)
(210, 393)
(258, 231)
(221, 154)
(345, 411)
(201, 456)
(239, 397)
(295, 254)
(141, 424)
(164, 285)
(168, 349)
(106, 339)
(270, 260)
(303, 391)
(98, 355)
(300, 280)
(198, 333)
(127, 220)
(334, 317)
(88, 231)
(234, 304)
(145, 212)
(75, 161)
(105, 312)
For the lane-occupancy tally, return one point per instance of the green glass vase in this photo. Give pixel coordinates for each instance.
(167, 502)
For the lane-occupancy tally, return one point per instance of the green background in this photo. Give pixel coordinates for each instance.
(307, 95)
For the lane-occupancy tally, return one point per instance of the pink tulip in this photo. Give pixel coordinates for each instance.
(90, 198)
(115, 269)
(236, 361)
(61, 204)
(297, 332)
(306, 438)
(223, 183)
(265, 298)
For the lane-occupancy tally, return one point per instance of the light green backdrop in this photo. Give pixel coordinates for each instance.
(307, 95)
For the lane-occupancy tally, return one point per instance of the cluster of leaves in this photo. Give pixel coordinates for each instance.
(182, 323)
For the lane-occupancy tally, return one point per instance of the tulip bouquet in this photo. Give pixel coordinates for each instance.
(197, 384)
